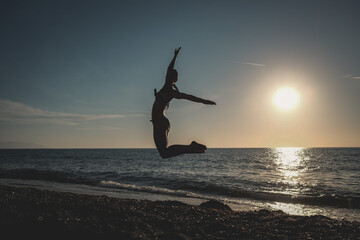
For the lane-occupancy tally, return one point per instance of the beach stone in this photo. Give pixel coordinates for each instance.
(213, 204)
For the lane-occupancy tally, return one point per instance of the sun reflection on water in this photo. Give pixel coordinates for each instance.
(290, 164)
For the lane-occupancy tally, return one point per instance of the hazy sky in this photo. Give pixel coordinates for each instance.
(82, 73)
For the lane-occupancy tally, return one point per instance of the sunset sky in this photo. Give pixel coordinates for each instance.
(81, 74)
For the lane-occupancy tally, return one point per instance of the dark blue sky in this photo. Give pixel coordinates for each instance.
(82, 73)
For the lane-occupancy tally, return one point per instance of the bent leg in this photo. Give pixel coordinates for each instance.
(161, 141)
(161, 130)
(194, 147)
(175, 150)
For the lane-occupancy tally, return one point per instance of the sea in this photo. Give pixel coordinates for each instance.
(300, 181)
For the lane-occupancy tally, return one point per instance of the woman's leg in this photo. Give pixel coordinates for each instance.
(175, 150)
(194, 147)
(161, 142)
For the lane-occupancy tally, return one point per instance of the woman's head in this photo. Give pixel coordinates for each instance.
(172, 76)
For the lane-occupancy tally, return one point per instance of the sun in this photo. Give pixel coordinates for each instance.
(285, 98)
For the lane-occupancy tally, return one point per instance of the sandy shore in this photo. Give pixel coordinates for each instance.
(39, 213)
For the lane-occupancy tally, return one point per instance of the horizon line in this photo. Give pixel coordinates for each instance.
(69, 148)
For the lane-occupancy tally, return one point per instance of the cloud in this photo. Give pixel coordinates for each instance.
(18, 113)
(12, 144)
(349, 76)
(254, 64)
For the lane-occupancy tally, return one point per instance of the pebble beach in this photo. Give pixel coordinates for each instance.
(26, 211)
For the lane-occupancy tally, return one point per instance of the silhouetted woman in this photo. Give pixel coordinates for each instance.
(161, 123)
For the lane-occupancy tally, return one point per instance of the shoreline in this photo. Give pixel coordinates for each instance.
(237, 204)
(30, 211)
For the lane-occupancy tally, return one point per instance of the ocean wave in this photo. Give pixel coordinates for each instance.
(181, 188)
(218, 192)
(150, 189)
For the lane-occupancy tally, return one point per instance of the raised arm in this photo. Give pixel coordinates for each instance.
(179, 95)
(172, 63)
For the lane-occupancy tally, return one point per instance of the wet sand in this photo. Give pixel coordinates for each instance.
(48, 214)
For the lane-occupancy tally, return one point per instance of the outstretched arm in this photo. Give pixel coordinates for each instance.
(172, 63)
(179, 95)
